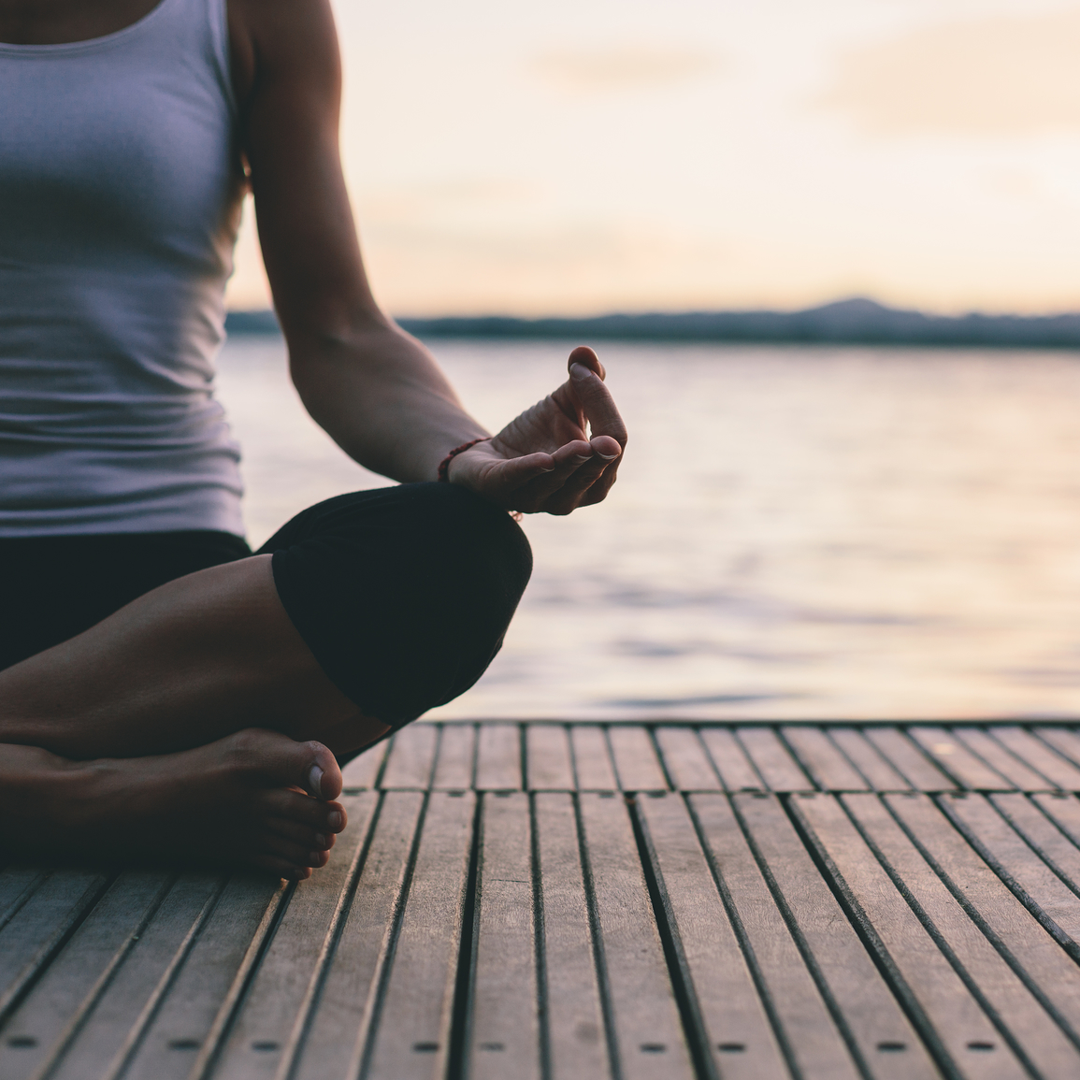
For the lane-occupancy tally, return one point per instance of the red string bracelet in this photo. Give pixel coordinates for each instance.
(444, 466)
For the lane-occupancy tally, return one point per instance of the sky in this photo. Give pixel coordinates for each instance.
(584, 156)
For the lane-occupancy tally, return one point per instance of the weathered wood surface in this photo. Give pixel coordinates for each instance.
(568, 902)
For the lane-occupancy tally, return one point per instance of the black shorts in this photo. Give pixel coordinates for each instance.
(403, 594)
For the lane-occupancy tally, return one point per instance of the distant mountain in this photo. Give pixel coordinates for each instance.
(847, 322)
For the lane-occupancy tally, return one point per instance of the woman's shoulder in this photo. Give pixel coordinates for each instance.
(292, 40)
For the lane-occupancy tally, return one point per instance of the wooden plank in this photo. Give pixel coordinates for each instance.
(184, 1033)
(412, 755)
(773, 760)
(457, 758)
(738, 1033)
(644, 1020)
(998, 758)
(39, 928)
(1060, 772)
(958, 761)
(908, 759)
(1041, 1040)
(1052, 845)
(346, 1008)
(735, 769)
(1046, 969)
(950, 1017)
(826, 765)
(983, 890)
(52, 1012)
(266, 1033)
(882, 1035)
(636, 763)
(1063, 810)
(505, 1029)
(549, 759)
(412, 1038)
(117, 1020)
(686, 760)
(363, 771)
(576, 1035)
(807, 1032)
(592, 759)
(1055, 905)
(498, 758)
(868, 760)
(1066, 741)
(17, 884)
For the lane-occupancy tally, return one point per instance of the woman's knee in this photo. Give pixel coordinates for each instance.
(404, 595)
(473, 545)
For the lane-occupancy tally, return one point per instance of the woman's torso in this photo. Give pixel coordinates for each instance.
(120, 194)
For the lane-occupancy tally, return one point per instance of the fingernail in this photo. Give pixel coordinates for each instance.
(580, 459)
(333, 821)
(579, 371)
(607, 457)
(547, 468)
(315, 781)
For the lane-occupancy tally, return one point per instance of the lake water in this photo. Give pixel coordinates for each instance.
(796, 532)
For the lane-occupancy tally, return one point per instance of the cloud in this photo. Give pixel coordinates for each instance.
(622, 68)
(992, 77)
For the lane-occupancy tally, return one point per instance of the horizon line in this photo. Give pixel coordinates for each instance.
(853, 321)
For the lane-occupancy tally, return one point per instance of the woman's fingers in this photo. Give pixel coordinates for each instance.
(573, 493)
(585, 356)
(606, 447)
(565, 488)
(568, 459)
(597, 403)
(598, 490)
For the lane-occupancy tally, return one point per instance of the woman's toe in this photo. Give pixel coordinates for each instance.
(291, 852)
(304, 835)
(279, 761)
(324, 774)
(323, 817)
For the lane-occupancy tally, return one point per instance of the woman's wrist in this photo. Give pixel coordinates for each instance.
(442, 474)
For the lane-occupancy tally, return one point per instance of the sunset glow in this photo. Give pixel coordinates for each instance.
(582, 157)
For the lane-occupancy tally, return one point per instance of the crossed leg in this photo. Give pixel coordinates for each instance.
(189, 724)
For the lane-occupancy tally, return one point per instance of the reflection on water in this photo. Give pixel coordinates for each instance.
(795, 533)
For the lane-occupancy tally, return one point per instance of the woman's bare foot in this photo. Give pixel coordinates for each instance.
(237, 803)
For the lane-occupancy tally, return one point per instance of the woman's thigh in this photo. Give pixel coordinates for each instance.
(54, 587)
(402, 594)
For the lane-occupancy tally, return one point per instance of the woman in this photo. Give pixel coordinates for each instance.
(165, 692)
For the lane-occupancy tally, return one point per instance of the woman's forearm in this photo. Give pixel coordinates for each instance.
(382, 397)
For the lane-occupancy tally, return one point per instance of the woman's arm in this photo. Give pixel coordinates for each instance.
(377, 391)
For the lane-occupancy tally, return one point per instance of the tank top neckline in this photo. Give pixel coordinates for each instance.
(90, 43)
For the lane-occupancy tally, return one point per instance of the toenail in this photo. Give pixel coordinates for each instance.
(320, 841)
(315, 781)
(315, 858)
(333, 821)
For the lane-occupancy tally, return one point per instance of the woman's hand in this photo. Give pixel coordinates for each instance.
(544, 461)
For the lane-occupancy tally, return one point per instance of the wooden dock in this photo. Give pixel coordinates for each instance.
(584, 901)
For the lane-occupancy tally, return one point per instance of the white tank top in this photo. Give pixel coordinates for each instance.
(120, 196)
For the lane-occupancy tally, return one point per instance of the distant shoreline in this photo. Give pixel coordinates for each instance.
(847, 322)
